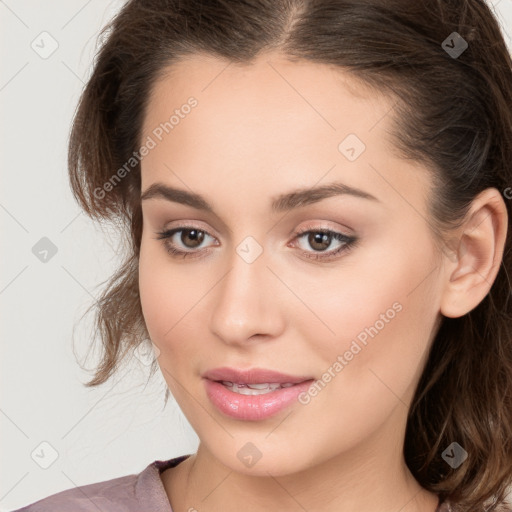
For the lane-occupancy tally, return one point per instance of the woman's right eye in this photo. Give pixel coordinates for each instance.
(192, 233)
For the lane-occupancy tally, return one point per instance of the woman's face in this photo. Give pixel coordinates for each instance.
(254, 143)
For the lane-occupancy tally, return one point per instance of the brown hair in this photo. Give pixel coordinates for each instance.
(454, 114)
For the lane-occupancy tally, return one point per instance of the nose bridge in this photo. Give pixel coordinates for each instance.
(244, 303)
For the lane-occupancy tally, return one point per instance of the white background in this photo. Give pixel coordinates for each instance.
(116, 429)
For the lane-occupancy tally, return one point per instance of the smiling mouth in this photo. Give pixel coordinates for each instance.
(254, 401)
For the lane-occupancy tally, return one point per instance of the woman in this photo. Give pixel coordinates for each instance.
(316, 198)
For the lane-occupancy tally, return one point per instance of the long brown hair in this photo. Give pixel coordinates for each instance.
(453, 113)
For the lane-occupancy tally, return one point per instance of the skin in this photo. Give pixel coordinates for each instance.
(258, 131)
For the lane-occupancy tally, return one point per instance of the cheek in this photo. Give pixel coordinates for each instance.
(164, 306)
(172, 302)
(371, 363)
(376, 318)
(162, 292)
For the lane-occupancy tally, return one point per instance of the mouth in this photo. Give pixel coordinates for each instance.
(253, 401)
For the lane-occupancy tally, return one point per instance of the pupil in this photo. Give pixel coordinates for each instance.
(193, 234)
(320, 238)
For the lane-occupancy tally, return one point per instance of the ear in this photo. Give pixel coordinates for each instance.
(473, 266)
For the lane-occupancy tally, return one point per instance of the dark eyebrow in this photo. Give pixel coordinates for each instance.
(284, 202)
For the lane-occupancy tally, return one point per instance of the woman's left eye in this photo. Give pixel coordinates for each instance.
(319, 238)
(323, 238)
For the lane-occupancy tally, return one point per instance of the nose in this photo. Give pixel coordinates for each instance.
(247, 302)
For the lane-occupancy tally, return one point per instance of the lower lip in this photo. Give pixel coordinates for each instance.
(253, 407)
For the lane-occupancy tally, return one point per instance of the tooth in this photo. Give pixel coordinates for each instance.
(260, 386)
(265, 385)
(254, 389)
(252, 392)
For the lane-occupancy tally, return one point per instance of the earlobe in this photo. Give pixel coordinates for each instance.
(481, 240)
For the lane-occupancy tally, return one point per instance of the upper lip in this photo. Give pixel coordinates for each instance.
(252, 376)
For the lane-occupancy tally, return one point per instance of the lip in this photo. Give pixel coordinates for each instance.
(253, 407)
(252, 376)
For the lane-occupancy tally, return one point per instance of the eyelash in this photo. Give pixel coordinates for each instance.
(348, 242)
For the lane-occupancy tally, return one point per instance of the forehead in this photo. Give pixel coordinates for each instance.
(272, 119)
(313, 92)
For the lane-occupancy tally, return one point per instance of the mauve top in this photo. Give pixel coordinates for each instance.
(142, 492)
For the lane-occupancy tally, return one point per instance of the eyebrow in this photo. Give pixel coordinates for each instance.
(284, 202)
